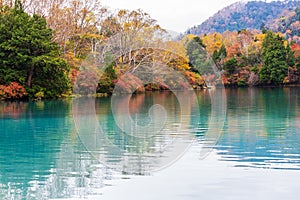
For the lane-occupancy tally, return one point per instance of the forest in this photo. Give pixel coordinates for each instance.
(44, 43)
(246, 15)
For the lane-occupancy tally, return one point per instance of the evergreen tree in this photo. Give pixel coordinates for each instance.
(218, 56)
(198, 57)
(194, 48)
(222, 52)
(215, 55)
(274, 56)
(231, 65)
(28, 55)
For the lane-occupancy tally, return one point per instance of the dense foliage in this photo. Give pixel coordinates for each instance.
(289, 24)
(275, 65)
(251, 57)
(43, 46)
(28, 55)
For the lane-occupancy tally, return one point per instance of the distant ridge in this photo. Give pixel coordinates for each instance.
(244, 15)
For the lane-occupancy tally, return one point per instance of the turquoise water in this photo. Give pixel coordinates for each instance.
(262, 128)
(42, 156)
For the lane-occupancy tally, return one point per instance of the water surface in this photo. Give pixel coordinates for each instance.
(42, 156)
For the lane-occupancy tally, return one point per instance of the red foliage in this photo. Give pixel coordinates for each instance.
(233, 50)
(129, 83)
(225, 80)
(86, 81)
(194, 79)
(73, 75)
(296, 49)
(12, 91)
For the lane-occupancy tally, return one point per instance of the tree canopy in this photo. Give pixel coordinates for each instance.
(275, 65)
(28, 55)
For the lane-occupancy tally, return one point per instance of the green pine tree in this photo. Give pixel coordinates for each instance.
(222, 52)
(274, 56)
(231, 65)
(28, 55)
(198, 57)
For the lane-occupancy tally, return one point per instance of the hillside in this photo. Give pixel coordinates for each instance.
(289, 24)
(244, 15)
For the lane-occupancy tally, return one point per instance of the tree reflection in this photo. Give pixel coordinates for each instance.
(15, 110)
(141, 150)
(262, 127)
(29, 143)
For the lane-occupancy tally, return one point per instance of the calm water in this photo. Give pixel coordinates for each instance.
(42, 156)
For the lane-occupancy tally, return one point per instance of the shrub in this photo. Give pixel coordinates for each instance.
(12, 91)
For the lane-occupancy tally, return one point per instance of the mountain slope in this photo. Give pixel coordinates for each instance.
(244, 15)
(289, 24)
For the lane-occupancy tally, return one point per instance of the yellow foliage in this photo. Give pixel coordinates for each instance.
(213, 42)
(177, 48)
(257, 42)
(186, 39)
(73, 61)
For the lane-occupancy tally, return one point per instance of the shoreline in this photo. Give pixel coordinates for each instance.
(101, 95)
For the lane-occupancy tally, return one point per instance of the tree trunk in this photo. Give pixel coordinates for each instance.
(30, 74)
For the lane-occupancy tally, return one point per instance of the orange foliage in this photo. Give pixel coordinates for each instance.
(194, 79)
(12, 91)
(233, 50)
(129, 83)
(295, 26)
(73, 75)
(296, 49)
(225, 80)
(229, 38)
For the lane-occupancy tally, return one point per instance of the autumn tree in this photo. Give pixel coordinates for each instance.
(138, 29)
(75, 24)
(110, 26)
(136, 20)
(212, 42)
(290, 59)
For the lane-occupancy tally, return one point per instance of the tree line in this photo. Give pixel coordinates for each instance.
(43, 43)
(254, 58)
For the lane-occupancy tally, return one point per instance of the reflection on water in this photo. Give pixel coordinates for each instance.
(42, 157)
(133, 137)
(262, 128)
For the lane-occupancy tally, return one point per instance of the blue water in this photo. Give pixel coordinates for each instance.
(42, 155)
(262, 128)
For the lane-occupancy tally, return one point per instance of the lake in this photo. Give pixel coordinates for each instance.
(186, 148)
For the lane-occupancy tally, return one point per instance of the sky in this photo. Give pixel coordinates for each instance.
(174, 15)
